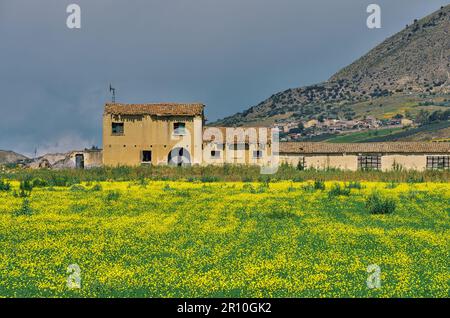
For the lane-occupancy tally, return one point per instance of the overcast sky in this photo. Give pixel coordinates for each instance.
(228, 54)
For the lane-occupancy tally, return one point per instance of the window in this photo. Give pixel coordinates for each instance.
(146, 156)
(215, 154)
(438, 162)
(369, 162)
(117, 128)
(257, 154)
(179, 129)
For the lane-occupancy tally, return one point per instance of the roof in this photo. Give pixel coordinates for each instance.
(382, 147)
(160, 109)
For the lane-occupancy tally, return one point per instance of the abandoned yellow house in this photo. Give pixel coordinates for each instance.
(144, 134)
(152, 134)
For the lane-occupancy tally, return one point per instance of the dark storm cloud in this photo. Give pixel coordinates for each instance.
(229, 54)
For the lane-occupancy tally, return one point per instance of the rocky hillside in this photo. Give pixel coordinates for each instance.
(10, 157)
(413, 61)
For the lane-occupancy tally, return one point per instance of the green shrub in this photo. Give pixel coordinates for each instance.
(77, 188)
(300, 166)
(112, 195)
(21, 194)
(246, 179)
(298, 179)
(25, 209)
(5, 186)
(319, 185)
(26, 185)
(263, 187)
(25, 189)
(39, 183)
(336, 190)
(378, 204)
(97, 187)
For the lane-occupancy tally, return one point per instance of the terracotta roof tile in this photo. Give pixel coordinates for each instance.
(382, 147)
(161, 109)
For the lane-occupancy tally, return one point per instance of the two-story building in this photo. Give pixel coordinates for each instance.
(135, 134)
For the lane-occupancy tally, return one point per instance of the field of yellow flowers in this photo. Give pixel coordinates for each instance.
(193, 239)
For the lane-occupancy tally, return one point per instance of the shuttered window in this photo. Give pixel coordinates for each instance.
(369, 162)
(438, 162)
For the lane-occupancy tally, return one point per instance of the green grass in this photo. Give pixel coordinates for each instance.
(389, 134)
(363, 136)
(212, 174)
(410, 133)
(386, 107)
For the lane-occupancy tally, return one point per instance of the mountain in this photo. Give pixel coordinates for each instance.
(10, 157)
(413, 63)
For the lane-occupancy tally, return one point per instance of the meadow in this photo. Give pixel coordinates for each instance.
(147, 238)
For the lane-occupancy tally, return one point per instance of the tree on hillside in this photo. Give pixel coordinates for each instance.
(422, 117)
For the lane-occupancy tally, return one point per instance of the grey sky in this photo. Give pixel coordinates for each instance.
(228, 54)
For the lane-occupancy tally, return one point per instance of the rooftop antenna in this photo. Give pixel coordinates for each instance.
(113, 90)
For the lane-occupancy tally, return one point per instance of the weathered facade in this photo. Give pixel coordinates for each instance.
(80, 159)
(152, 134)
(249, 146)
(375, 156)
(155, 134)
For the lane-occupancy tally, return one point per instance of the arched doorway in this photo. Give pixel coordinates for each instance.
(179, 157)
